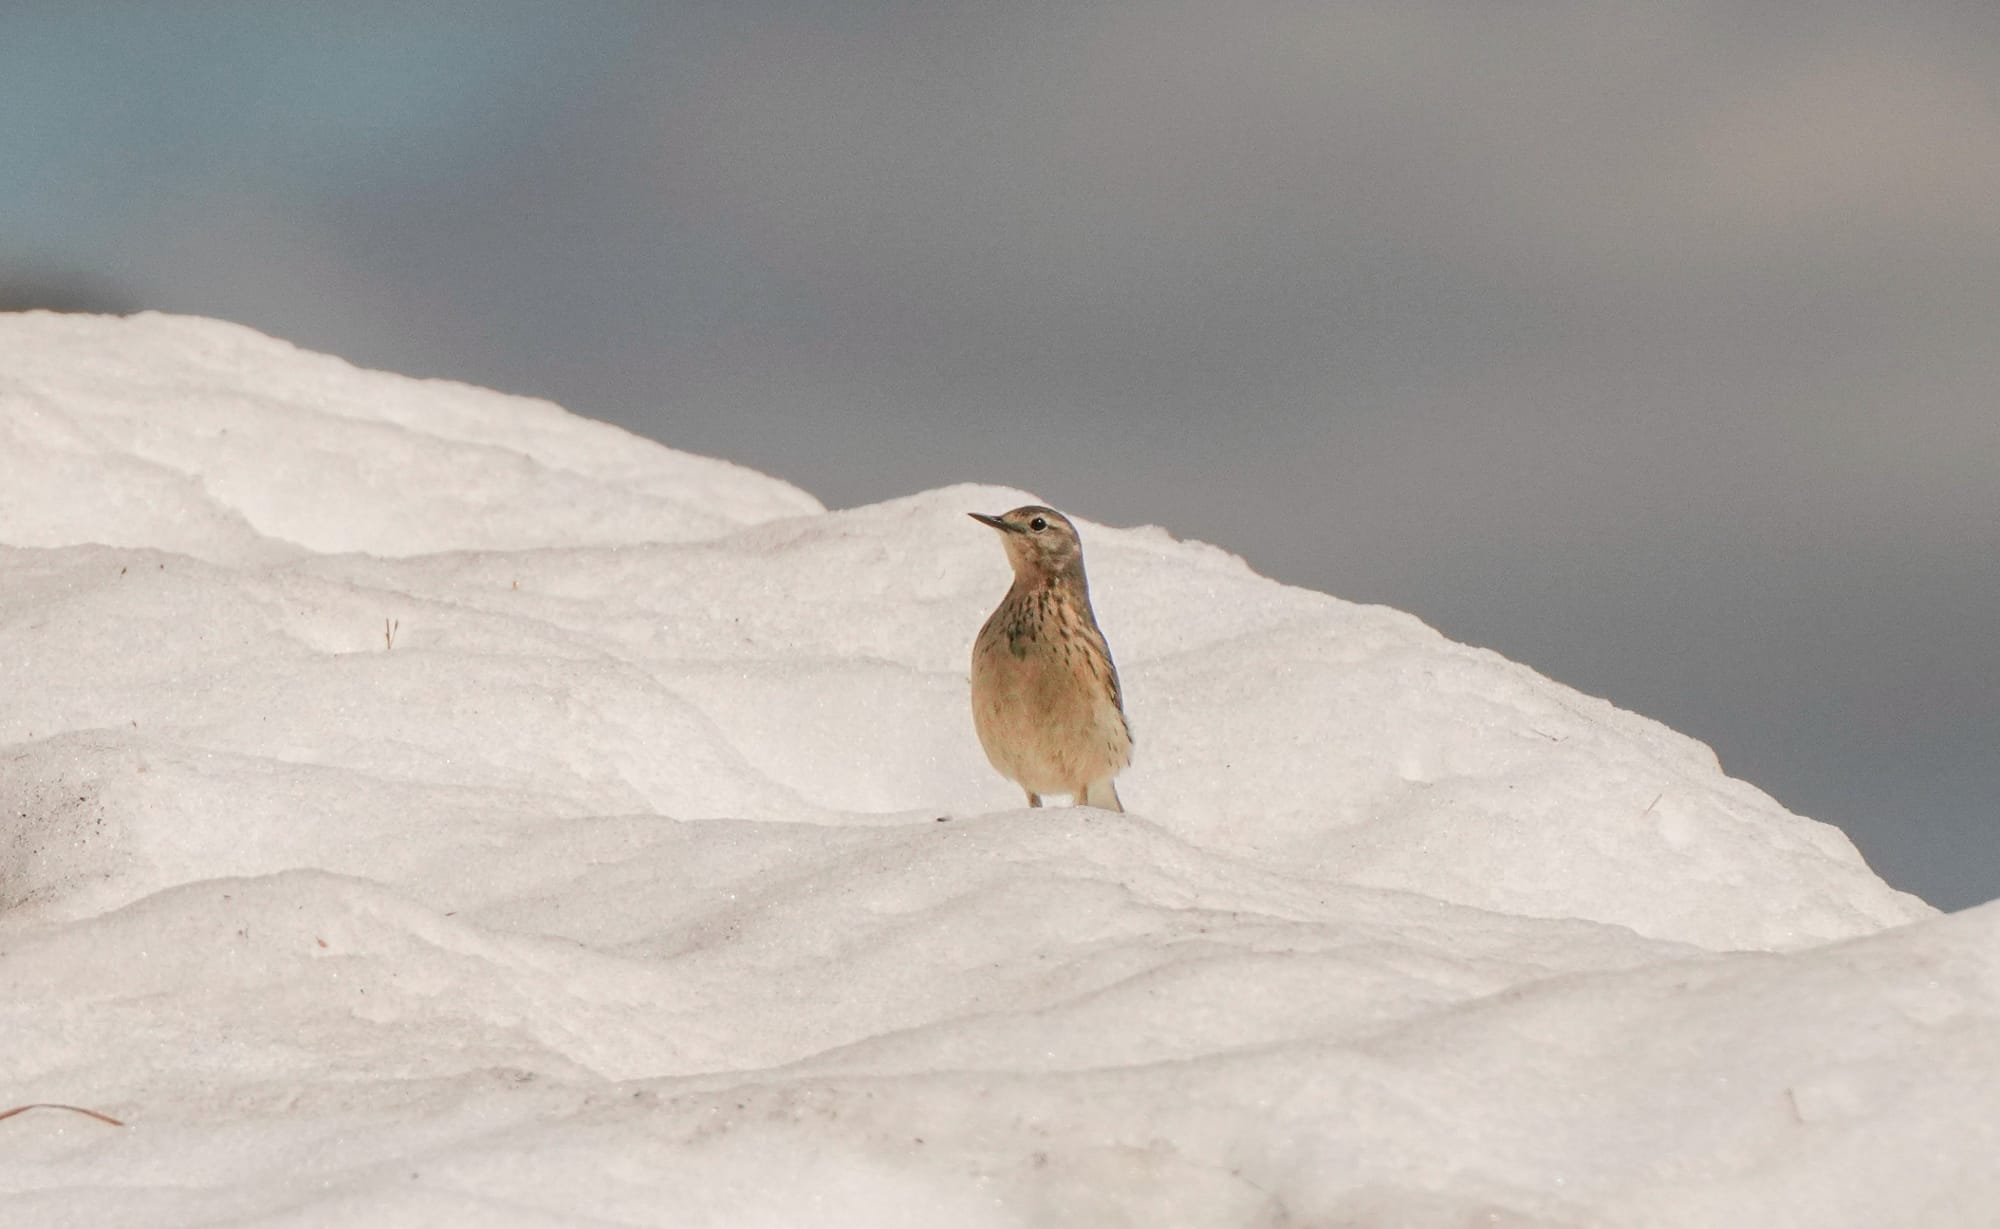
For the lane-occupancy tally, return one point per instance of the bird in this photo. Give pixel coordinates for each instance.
(1045, 694)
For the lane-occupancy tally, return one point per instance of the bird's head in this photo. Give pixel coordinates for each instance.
(1040, 541)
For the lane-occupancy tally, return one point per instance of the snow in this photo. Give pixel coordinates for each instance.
(419, 805)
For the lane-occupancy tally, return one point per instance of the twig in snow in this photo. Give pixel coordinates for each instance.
(74, 1109)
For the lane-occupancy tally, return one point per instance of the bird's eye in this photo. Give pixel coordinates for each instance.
(1039, 523)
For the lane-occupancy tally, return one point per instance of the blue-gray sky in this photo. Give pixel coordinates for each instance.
(1655, 346)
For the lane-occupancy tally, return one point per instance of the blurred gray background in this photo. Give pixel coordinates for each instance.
(1657, 347)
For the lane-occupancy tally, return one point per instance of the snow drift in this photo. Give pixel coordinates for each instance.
(421, 805)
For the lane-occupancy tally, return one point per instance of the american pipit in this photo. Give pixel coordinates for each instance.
(1045, 695)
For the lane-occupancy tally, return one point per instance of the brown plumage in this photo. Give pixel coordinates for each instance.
(1045, 695)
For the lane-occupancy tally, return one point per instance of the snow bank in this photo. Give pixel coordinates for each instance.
(425, 806)
(210, 440)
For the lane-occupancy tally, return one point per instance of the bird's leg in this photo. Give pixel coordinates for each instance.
(1034, 799)
(1101, 794)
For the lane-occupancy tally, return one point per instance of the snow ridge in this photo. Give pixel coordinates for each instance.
(423, 806)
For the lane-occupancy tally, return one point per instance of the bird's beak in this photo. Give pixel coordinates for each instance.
(994, 521)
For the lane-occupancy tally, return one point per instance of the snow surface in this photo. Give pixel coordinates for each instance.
(422, 806)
